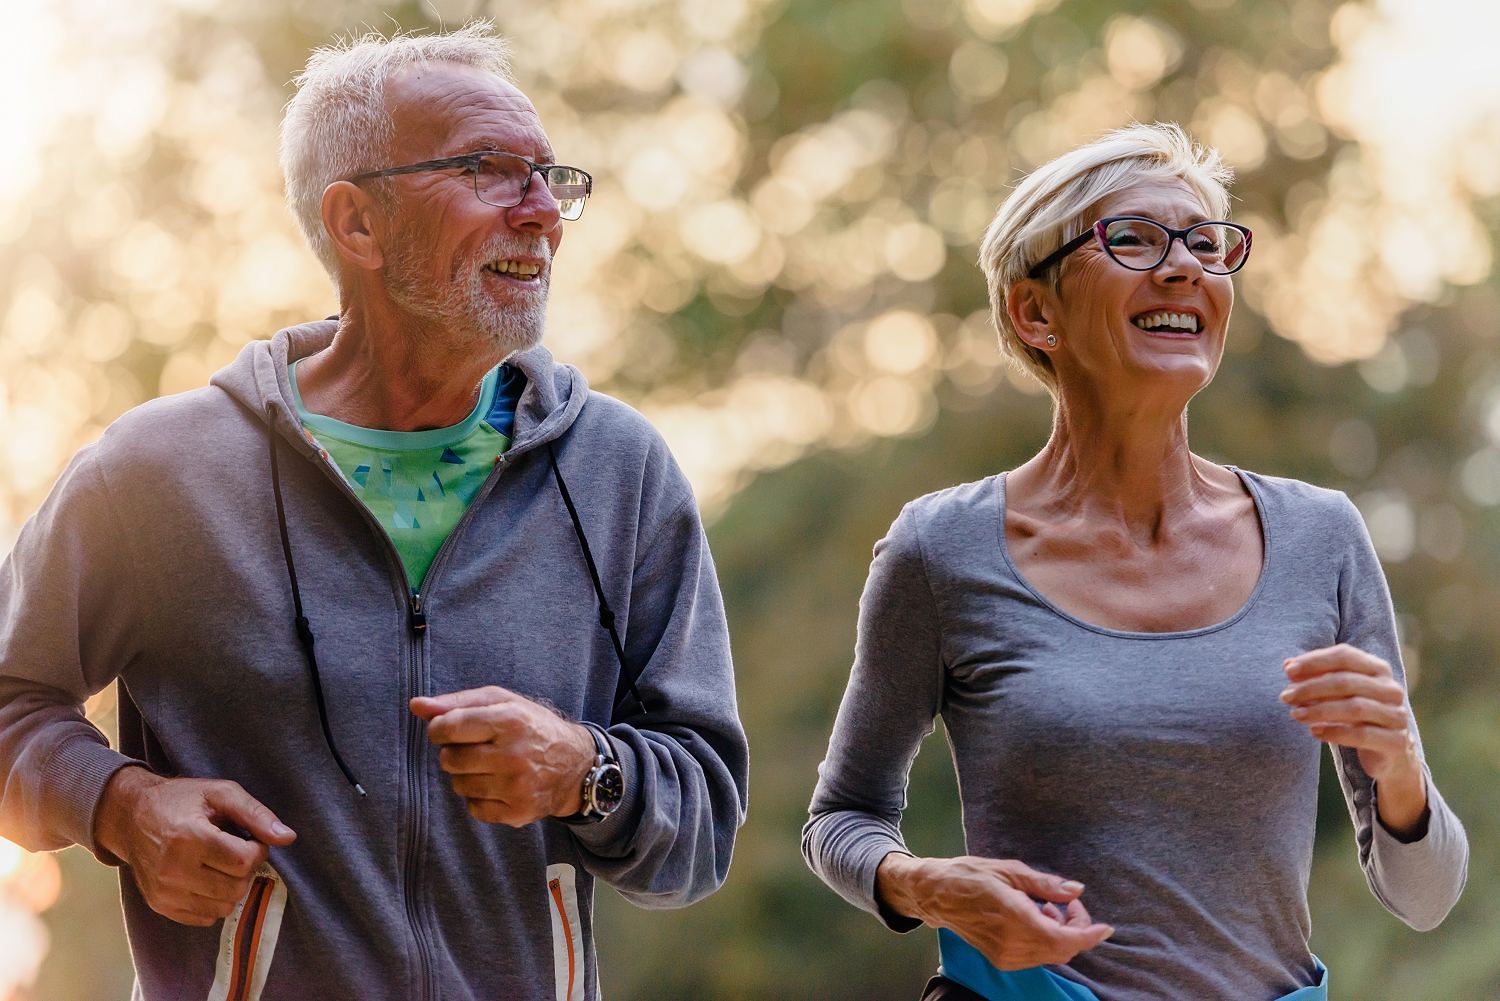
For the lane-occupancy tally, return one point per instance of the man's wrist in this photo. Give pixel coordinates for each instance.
(569, 800)
(117, 807)
(602, 788)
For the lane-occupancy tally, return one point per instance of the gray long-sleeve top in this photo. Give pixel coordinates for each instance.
(1160, 769)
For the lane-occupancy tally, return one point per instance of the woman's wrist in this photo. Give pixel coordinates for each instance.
(896, 885)
(1401, 801)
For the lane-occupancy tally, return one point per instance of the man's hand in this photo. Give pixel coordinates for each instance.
(513, 760)
(992, 905)
(166, 831)
(1348, 697)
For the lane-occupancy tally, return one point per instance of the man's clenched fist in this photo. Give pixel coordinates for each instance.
(513, 760)
(166, 831)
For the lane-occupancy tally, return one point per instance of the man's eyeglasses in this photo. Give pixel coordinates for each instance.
(1142, 244)
(502, 179)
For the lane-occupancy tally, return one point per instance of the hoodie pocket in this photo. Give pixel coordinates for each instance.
(567, 932)
(247, 941)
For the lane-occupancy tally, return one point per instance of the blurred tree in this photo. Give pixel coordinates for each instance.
(779, 265)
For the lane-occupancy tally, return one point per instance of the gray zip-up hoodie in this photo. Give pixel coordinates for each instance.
(156, 560)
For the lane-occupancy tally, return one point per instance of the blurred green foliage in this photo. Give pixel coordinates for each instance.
(793, 546)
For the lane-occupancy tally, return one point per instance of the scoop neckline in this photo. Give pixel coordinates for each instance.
(1260, 581)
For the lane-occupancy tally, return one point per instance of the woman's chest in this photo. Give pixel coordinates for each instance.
(1193, 580)
(1071, 721)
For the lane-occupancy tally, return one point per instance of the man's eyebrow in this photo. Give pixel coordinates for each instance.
(488, 146)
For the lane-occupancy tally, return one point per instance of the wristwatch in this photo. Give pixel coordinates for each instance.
(603, 784)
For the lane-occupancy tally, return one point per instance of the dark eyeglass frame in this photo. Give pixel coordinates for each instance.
(1099, 228)
(471, 161)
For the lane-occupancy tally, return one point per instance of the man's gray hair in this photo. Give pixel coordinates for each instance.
(1051, 207)
(337, 125)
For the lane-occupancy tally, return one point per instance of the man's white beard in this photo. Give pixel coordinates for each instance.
(512, 321)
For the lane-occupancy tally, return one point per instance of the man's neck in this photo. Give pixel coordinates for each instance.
(393, 375)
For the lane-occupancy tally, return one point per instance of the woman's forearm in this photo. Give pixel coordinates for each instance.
(1401, 801)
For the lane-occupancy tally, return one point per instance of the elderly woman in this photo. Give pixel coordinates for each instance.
(1136, 652)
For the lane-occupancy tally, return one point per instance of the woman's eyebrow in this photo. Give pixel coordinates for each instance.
(1190, 221)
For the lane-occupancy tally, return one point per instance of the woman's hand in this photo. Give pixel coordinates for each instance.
(1349, 697)
(992, 905)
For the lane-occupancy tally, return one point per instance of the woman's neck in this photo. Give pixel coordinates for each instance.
(1130, 465)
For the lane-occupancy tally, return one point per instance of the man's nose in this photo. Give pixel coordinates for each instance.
(538, 211)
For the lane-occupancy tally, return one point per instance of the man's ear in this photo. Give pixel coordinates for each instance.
(1031, 307)
(354, 225)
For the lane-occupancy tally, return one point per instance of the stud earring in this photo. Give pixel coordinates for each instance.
(1051, 340)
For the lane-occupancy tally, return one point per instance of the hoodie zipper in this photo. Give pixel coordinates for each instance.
(416, 739)
(414, 797)
(416, 820)
(416, 617)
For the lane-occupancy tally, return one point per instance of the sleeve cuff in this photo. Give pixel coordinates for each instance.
(611, 837)
(75, 779)
(1420, 880)
(1423, 823)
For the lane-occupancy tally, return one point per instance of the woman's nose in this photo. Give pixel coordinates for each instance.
(1180, 264)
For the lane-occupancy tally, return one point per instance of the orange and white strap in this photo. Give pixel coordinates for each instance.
(248, 939)
(567, 932)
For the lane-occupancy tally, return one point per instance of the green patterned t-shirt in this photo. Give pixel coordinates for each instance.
(418, 484)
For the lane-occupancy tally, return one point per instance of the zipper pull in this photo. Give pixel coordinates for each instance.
(418, 617)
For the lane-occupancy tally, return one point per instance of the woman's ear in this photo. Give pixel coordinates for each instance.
(352, 224)
(1031, 306)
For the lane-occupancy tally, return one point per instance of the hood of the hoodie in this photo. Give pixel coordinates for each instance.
(258, 380)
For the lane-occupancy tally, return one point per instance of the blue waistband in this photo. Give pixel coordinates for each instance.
(964, 964)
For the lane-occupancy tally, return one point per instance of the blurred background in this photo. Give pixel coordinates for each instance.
(778, 268)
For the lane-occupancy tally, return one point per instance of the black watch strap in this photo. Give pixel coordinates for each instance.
(601, 742)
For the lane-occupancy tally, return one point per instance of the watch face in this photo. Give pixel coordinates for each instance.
(608, 788)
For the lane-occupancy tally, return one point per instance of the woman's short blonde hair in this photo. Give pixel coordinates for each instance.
(1052, 205)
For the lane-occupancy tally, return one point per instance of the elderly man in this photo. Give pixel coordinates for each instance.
(372, 551)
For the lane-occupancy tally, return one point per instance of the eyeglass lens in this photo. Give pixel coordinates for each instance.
(1141, 245)
(501, 180)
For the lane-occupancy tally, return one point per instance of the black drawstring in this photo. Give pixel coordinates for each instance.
(304, 629)
(606, 616)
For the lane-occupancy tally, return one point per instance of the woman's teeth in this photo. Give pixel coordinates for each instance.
(1180, 321)
(518, 269)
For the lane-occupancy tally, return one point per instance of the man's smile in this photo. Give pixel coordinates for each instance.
(525, 272)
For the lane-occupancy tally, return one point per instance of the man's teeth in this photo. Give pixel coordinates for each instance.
(1156, 321)
(518, 268)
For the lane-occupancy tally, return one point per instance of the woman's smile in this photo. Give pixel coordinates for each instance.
(1170, 321)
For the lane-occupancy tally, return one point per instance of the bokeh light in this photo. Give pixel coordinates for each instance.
(779, 257)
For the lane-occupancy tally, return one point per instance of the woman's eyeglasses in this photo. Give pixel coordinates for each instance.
(1142, 244)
